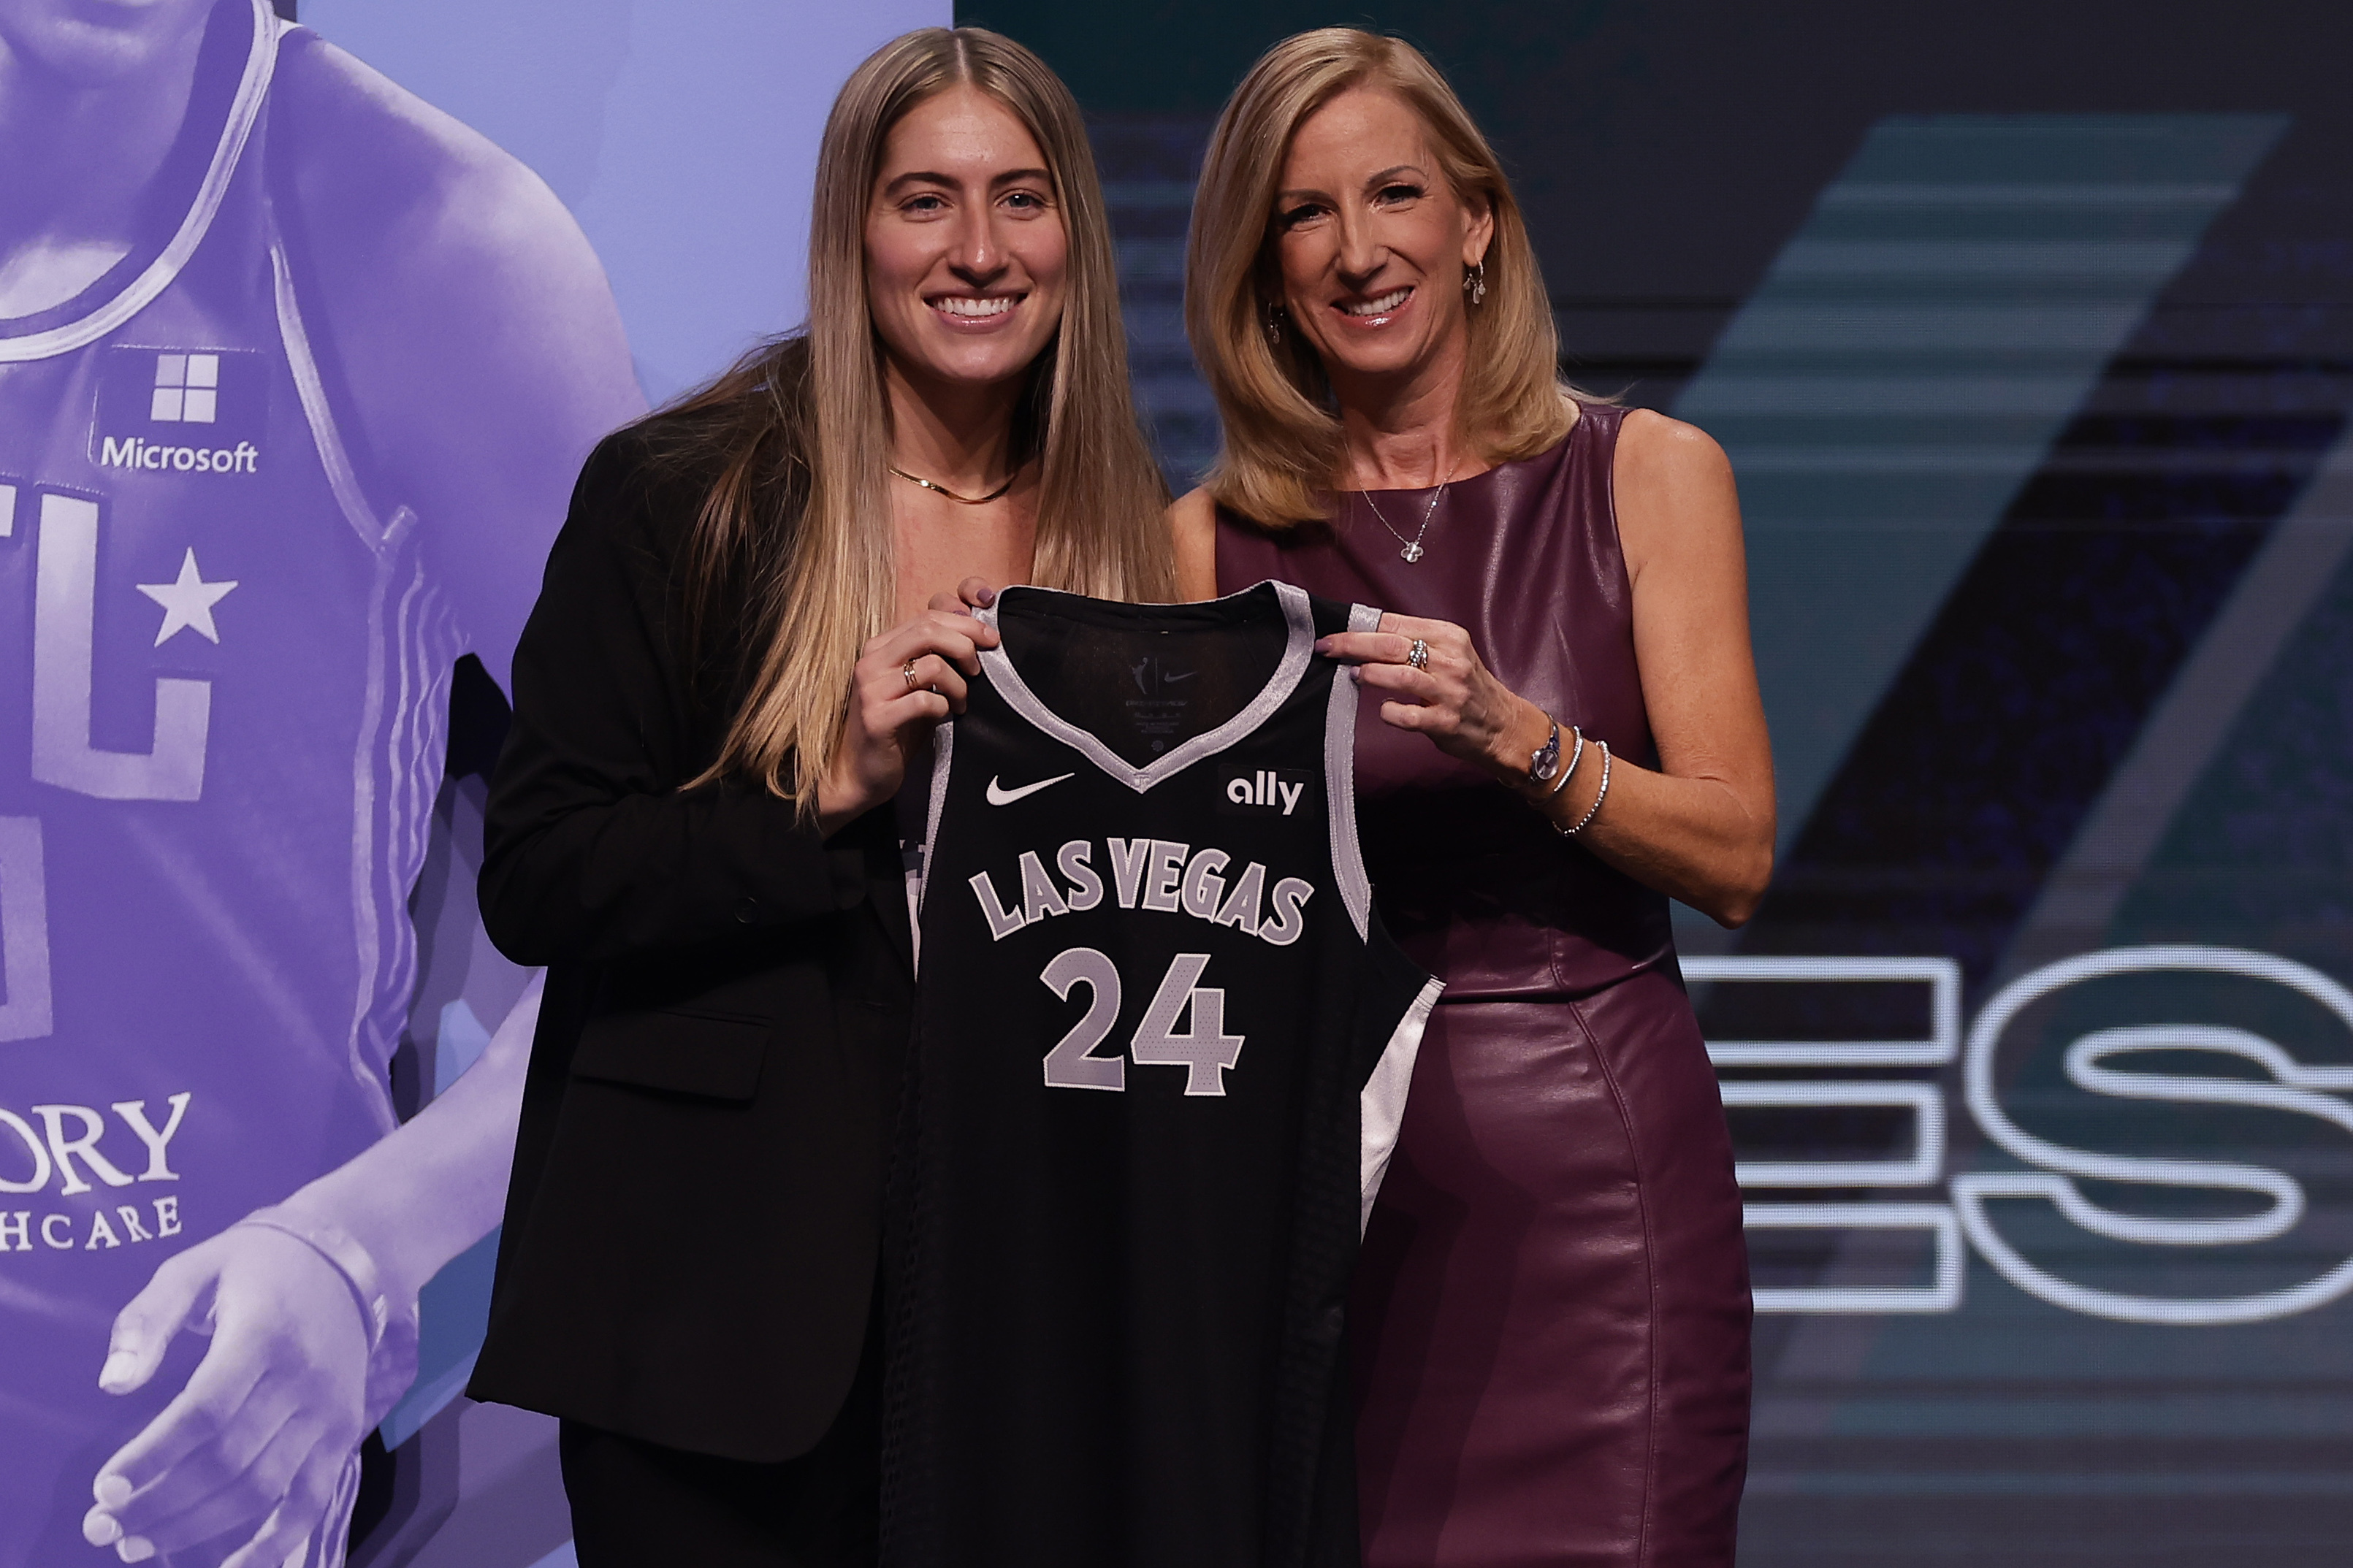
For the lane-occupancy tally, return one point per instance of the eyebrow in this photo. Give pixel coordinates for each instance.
(928, 177)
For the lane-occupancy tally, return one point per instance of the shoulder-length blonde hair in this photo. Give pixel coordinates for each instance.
(799, 429)
(1283, 452)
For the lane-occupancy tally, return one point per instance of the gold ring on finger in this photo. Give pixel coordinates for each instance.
(908, 670)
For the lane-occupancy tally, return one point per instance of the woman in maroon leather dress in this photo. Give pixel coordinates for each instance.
(1551, 1321)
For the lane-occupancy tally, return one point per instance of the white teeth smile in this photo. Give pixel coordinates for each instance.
(1379, 305)
(967, 305)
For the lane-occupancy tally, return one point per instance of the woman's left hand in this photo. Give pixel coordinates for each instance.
(1452, 697)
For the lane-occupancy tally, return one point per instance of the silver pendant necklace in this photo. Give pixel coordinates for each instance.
(1413, 551)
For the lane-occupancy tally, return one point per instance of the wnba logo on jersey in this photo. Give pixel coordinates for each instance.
(180, 411)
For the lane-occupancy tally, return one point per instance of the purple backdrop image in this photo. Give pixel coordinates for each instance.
(296, 370)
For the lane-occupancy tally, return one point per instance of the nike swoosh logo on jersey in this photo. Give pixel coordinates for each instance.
(1000, 796)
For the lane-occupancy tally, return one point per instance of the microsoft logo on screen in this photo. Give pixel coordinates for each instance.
(188, 389)
(180, 409)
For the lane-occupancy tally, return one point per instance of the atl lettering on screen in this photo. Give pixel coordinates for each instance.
(167, 413)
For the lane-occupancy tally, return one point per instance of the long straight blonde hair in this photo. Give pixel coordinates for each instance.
(1284, 451)
(799, 512)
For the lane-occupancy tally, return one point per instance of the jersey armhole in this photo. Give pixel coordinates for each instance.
(321, 384)
(1340, 783)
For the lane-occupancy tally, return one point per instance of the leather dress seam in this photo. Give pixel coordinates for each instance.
(1653, 1415)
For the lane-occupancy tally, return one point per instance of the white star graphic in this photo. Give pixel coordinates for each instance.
(187, 602)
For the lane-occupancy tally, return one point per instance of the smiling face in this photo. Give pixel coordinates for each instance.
(1371, 241)
(966, 258)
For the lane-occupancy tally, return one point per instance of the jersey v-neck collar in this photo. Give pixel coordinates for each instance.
(1288, 671)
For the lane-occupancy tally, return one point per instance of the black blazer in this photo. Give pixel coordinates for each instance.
(693, 1226)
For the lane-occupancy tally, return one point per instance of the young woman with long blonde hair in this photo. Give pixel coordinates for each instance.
(750, 625)
(1551, 1318)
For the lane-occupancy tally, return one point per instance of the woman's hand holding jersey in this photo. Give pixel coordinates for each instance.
(1449, 695)
(908, 680)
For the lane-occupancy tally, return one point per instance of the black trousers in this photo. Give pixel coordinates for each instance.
(640, 1505)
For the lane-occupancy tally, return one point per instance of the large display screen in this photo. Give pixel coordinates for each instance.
(2027, 330)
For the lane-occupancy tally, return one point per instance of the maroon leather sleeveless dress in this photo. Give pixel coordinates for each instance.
(1551, 1315)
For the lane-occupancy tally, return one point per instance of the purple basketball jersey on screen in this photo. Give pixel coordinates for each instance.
(220, 736)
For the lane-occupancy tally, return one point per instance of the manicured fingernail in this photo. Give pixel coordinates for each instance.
(100, 1528)
(134, 1549)
(987, 597)
(119, 1370)
(111, 1490)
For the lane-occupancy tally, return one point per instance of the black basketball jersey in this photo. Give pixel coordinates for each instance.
(1163, 1045)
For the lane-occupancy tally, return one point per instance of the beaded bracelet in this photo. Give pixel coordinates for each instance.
(1602, 795)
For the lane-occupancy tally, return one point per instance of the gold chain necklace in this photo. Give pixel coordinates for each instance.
(961, 501)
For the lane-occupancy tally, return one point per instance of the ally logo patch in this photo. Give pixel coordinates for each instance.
(1279, 790)
(194, 411)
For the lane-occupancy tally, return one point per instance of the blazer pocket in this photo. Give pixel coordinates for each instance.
(715, 1055)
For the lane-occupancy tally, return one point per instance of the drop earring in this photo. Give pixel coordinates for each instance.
(1474, 282)
(1273, 326)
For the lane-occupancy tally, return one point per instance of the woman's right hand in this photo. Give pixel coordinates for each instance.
(893, 711)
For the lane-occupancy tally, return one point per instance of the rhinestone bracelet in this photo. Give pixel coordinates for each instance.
(1599, 797)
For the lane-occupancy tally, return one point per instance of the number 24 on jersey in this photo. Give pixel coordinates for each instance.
(1203, 1050)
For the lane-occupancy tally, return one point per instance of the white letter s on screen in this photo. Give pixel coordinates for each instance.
(2294, 1086)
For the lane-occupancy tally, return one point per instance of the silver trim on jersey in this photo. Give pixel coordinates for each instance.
(426, 641)
(367, 933)
(244, 109)
(1380, 1104)
(943, 749)
(1296, 654)
(1340, 784)
(311, 393)
(414, 644)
